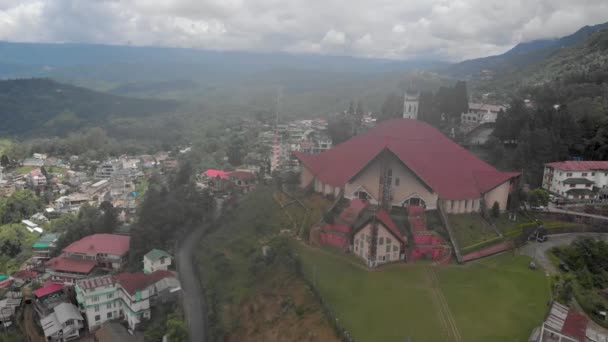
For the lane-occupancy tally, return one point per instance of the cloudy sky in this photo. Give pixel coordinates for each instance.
(448, 29)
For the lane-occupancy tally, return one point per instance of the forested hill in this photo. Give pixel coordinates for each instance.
(522, 56)
(44, 107)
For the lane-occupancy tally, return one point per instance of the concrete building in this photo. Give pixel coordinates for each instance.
(43, 247)
(406, 162)
(390, 242)
(155, 260)
(576, 179)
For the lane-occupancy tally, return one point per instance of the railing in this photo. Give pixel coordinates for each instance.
(444, 219)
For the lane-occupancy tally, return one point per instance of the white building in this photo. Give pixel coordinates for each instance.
(155, 260)
(63, 324)
(480, 113)
(576, 179)
(410, 105)
(103, 298)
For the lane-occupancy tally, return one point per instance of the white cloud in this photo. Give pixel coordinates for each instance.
(450, 29)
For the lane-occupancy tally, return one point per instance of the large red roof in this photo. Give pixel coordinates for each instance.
(388, 222)
(572, 165)
(100, 243)
(446, 167)
(71, 265)
(575, 326)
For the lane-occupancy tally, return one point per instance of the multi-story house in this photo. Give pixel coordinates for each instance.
(106, 169)
(125, 297)
(77, 261)
(576, 179)
(36, 178)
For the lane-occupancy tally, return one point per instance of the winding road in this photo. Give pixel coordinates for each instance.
(195, 308)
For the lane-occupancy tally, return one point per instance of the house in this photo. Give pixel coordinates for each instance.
(71, 203)
(36, 162)
(390, 242)
(43, 246)
(77, 261)
(576, 179)
(64, 324)
(106, 169)
(155, 260)
(36, 178)
(403, 162)
(125, 296)
(243, 180)
(481, 113)
(48, 296)
(8, 306)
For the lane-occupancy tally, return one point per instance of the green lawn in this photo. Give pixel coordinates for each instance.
(470, 229)
(25, 169)
(495, 299)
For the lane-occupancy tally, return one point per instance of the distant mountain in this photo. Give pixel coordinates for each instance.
(44, 107)
(520, 56)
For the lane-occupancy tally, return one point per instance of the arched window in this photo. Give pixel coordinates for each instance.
(390, 172)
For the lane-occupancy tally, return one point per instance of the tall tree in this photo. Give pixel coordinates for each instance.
(392, 107)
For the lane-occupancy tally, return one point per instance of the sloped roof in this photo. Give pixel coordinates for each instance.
(578, 181)
(446, 167)
(384, 218)
(213, 173)
(48, 289)
(156, 254)
(100, 243)
(95, 282)
(71, 265)
(133, 282)
(574, 165)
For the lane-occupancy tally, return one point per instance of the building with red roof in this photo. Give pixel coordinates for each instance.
(562, 324)
(377, 239)
(80, 258)
(125, 296)
(576, 179)
(406, 162)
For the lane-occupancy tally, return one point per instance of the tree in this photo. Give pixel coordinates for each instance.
(235, 151)
(339, 128)
(495, 209)
(4, 161)
(176, 328)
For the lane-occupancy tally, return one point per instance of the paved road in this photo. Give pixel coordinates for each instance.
(193, 302)
(537, 250)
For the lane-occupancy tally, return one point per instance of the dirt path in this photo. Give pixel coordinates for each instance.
(31, 331)
(446, 318)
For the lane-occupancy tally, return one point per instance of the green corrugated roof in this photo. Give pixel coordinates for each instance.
(156, 254)
(45, 240)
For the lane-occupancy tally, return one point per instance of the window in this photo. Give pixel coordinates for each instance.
(572, 185)
(389, 172)
(109, 314)
(451, 205)
(466, 204)
(388, 241)
(584, 174)
(96, 299)
(381, 241)
(388, 249)
(356, 242)
(69, 322)
(96, 308)
(395, 248)
(593, 173)
(356, 248)
(110, 295)
(397, 181)
(97, 317)
(109, 306)
(569, 174)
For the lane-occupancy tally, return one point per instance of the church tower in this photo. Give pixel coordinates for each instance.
(410, 105)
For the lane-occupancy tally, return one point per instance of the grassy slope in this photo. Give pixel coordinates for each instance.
(470, 229)
(495, 299)
(250, 304)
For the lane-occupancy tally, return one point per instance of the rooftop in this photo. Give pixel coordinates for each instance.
(156, 254)
(133, 282)
(444, 166)
(48, 289)
(578, 181)
(70, 265)
(100, 244)
(573, 165)
(95, 282)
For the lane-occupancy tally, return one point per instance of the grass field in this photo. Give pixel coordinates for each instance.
(495, 299)
(470, 229)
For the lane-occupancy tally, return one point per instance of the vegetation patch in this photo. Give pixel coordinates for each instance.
(470, 229)
(494, 299)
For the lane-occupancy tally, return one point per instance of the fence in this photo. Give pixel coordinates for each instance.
(342, 333)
